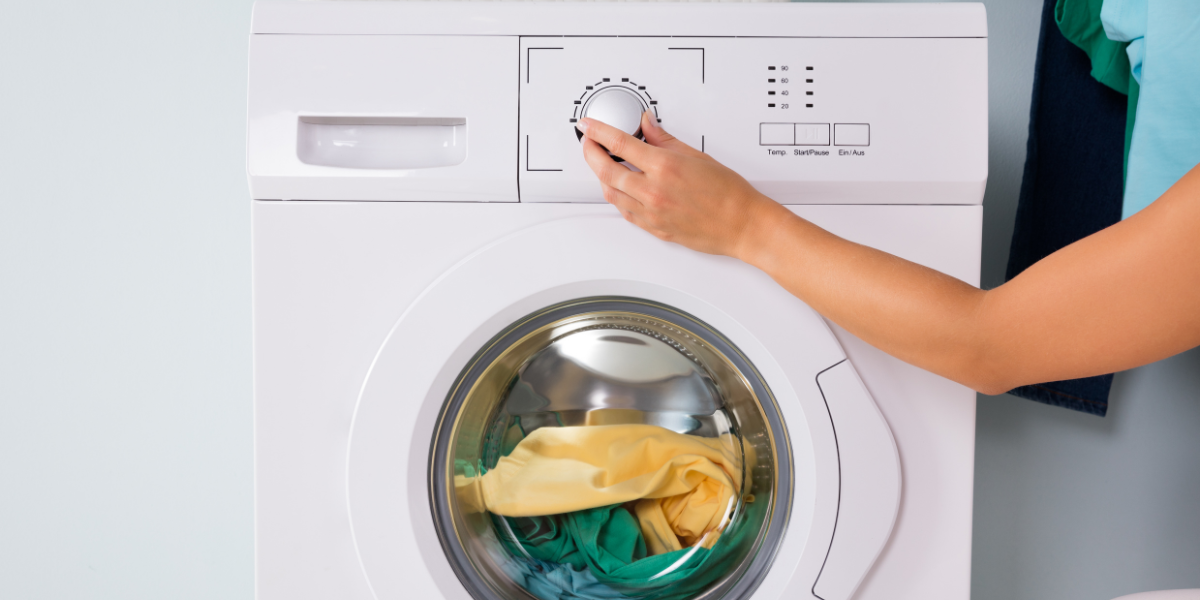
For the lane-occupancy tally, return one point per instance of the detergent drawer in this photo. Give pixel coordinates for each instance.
(383, 117)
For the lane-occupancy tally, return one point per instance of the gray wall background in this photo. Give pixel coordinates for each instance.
(125, 398)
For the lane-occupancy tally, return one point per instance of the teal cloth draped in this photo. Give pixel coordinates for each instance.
(607, 542)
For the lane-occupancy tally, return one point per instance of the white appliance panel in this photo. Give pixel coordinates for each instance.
(816, 19)
(805, 120)
(446, 103)
(431, 145)
(331, 279)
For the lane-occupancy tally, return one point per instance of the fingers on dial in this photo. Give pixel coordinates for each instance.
(620, 143)
(609, 172)
(657, 136)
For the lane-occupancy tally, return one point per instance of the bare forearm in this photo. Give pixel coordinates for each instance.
(919, 315)
(1121, 298)
(1118, 299)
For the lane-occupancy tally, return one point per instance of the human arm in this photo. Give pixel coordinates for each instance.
(1126, 296)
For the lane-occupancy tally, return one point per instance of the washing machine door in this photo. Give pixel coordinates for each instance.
(579, 410)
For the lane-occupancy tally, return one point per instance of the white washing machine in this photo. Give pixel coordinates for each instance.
(437, 278)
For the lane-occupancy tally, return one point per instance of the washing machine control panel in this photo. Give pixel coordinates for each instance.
(492, 117)
(805, 120)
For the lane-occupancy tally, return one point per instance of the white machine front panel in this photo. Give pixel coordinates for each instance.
(806, 120)
(371, 117)
(331, 279)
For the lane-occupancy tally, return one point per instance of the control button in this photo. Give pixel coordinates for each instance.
(812, 134)
(776, 134)
(851, 134)
(617, 106)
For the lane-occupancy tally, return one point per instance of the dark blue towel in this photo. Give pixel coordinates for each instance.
(1072, 186)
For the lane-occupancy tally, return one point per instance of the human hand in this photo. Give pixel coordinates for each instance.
(681, 194)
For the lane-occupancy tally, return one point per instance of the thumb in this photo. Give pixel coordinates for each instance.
(657, 136)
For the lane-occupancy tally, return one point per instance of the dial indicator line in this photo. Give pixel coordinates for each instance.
(527, 157)
(527, 56)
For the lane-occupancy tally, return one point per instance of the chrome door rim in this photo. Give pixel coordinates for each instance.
(740, 583)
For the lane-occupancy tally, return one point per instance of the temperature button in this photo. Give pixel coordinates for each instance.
(776, 134)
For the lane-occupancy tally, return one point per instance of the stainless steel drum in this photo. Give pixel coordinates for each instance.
(609, 361)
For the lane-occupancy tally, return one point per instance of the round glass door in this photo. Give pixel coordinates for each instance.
(609, 448)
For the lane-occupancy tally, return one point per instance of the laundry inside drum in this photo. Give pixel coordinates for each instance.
(605, 454)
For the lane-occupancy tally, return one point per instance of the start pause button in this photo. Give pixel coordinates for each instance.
(793, 134)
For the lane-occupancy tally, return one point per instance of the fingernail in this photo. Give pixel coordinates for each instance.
(653, 121)
(582, 126)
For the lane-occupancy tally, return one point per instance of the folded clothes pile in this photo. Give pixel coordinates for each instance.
(636, 508)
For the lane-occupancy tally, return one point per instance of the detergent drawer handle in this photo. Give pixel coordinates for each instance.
(381, 142)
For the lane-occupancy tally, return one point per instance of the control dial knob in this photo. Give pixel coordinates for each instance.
(617, 106)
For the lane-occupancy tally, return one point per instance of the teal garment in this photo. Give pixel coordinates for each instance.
(1130, 120)
(607, 542)
(600, 553)
(1079, 22)
(1164, 59)
(604, 539)
(550, 581)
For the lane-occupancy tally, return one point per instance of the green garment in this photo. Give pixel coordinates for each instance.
(606, 538)
(1079, 21)
(600, 553)
(608, 542)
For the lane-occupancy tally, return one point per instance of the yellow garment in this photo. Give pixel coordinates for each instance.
(685, 484)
